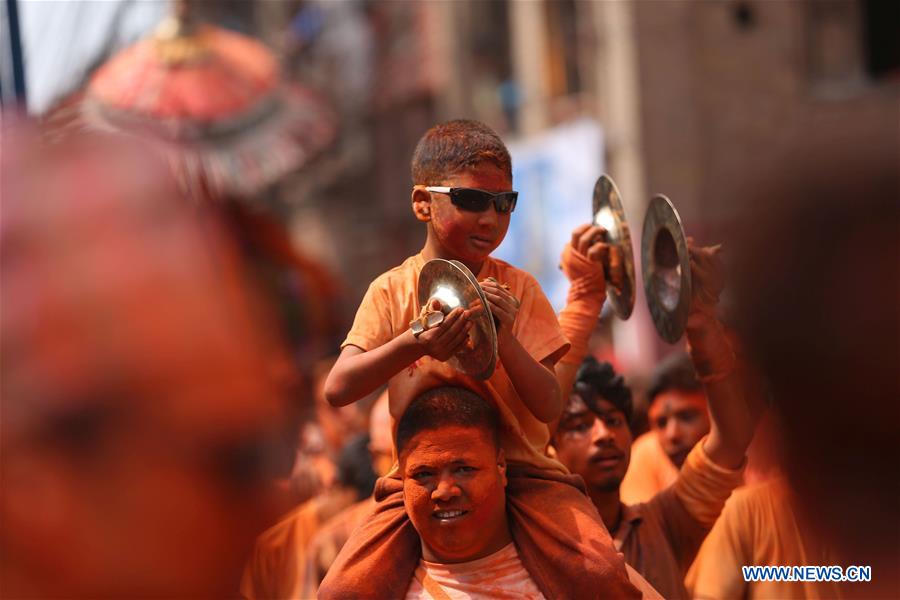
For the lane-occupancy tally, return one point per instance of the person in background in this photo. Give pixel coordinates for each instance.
(333, 534)
(759, 526)
(321, 440)
(659, 538)
(817, 311)
(278, 565)
(679, 418)
(593, 439)
(141, 383)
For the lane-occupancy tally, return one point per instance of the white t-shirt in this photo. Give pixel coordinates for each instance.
(500, 575)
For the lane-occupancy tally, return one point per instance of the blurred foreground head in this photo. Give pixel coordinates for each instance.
(816, 301)
(140, 389)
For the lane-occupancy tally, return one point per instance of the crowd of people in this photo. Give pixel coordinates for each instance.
(149, 447)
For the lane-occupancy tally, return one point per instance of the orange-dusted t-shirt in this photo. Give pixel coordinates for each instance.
(276, 568)
(392, 302)
(498, 575)
(759, 527)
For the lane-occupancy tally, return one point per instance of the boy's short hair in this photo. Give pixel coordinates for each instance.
(447, 406)
(603, 381)
(676, 372)
(451, 147)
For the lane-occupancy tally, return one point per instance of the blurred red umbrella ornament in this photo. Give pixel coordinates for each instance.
(215, 102)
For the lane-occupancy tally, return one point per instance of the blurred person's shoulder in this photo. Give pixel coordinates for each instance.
(759, 505)
(770, 492)
(299, 523)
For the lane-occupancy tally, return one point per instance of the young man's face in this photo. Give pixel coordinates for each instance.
(680, 420)
(595, 445)
(465, 235)
(454, 481)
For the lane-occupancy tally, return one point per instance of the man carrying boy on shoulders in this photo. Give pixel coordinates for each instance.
(463, 193)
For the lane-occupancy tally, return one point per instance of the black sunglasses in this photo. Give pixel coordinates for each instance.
(475, 200)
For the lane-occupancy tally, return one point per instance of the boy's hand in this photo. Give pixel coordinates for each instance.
(504, 306)
(533, 380)
(444, 340)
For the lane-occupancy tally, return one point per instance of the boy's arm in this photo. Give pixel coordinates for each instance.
(535, 382)
(358, 372)
(732, 421)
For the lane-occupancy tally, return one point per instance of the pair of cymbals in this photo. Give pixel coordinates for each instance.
(665, 261)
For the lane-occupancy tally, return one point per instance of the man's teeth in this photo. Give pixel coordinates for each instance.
(449, 514)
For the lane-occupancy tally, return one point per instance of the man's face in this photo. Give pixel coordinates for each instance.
(595, 445)
(454, 481)
(464, 235)
(680, 419)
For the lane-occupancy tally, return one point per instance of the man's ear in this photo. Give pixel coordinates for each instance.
(421, 203)
(501, 465)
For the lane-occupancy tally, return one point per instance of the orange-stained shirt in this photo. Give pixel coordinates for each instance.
(649, 472)
(275, 569)
(324, 546)
(391, 302)
(277, 566)
(498, 575)
(758, 527)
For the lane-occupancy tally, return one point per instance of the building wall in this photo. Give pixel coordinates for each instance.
(691, 96)
(726, 85)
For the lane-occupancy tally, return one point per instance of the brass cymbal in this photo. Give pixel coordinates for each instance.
(453, 284)
(666, 265)
(609, 214)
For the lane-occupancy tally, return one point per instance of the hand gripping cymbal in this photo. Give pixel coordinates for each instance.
(453, 284)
